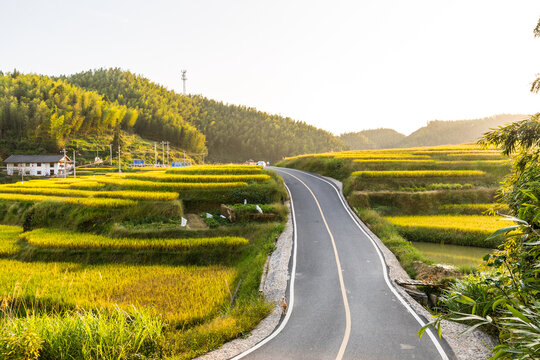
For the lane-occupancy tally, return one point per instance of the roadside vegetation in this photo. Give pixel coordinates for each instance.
(86, 279)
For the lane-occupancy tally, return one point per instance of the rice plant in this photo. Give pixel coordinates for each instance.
(476, 223)
(51, 238)
(194, 178)
(171, 186)
(217, 169)
(8, 239)
(183, 295)
(418, 173)
(91, 202)
(98, 334)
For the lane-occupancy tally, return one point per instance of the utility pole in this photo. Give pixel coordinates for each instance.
(163, 152)
(167, 153)
(110, 157)
(65, 166)
(74, 166)
(184, 156)
(119, 161)
(184, 78)
(155, 154)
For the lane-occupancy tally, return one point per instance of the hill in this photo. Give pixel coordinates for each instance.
(233, 133)
(40, 114)
(456, 132)
(372, 139)
(435, 133)
(237, 133)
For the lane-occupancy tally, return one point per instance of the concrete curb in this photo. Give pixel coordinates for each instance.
(274, 290)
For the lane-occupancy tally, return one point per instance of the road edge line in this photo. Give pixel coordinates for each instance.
(290, 305)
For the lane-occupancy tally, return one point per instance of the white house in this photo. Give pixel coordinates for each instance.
(38, 165)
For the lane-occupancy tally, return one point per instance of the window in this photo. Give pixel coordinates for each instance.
(38, 164)
(51, 164)
(39, 172)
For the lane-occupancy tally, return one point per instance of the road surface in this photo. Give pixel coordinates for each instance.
(349, 314)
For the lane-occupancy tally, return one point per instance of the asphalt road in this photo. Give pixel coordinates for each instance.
(332, 314)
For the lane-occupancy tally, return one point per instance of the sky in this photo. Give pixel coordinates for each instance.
(339, 65)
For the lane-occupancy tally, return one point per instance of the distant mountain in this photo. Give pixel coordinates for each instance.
(456, 132)
(436, 132)
(373, 139)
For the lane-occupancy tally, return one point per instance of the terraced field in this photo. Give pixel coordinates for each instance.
(177, 290)
(438, 195)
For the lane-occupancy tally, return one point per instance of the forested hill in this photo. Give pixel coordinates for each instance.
(436, 132)
(372, 139)
(232, 130)
(233, 133)
(40, 114)
(163, 114)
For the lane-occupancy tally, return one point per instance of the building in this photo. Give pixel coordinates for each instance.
(38, 165)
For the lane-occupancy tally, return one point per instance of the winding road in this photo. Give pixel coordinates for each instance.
(341, 304)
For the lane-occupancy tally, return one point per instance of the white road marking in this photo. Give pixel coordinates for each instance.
(291, 290)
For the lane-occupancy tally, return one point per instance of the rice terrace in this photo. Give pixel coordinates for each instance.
(244, 180)
(104, 256)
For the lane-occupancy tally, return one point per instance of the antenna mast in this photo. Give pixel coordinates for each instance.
(184, 78)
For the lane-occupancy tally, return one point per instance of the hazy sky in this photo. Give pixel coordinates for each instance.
(339, 65)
